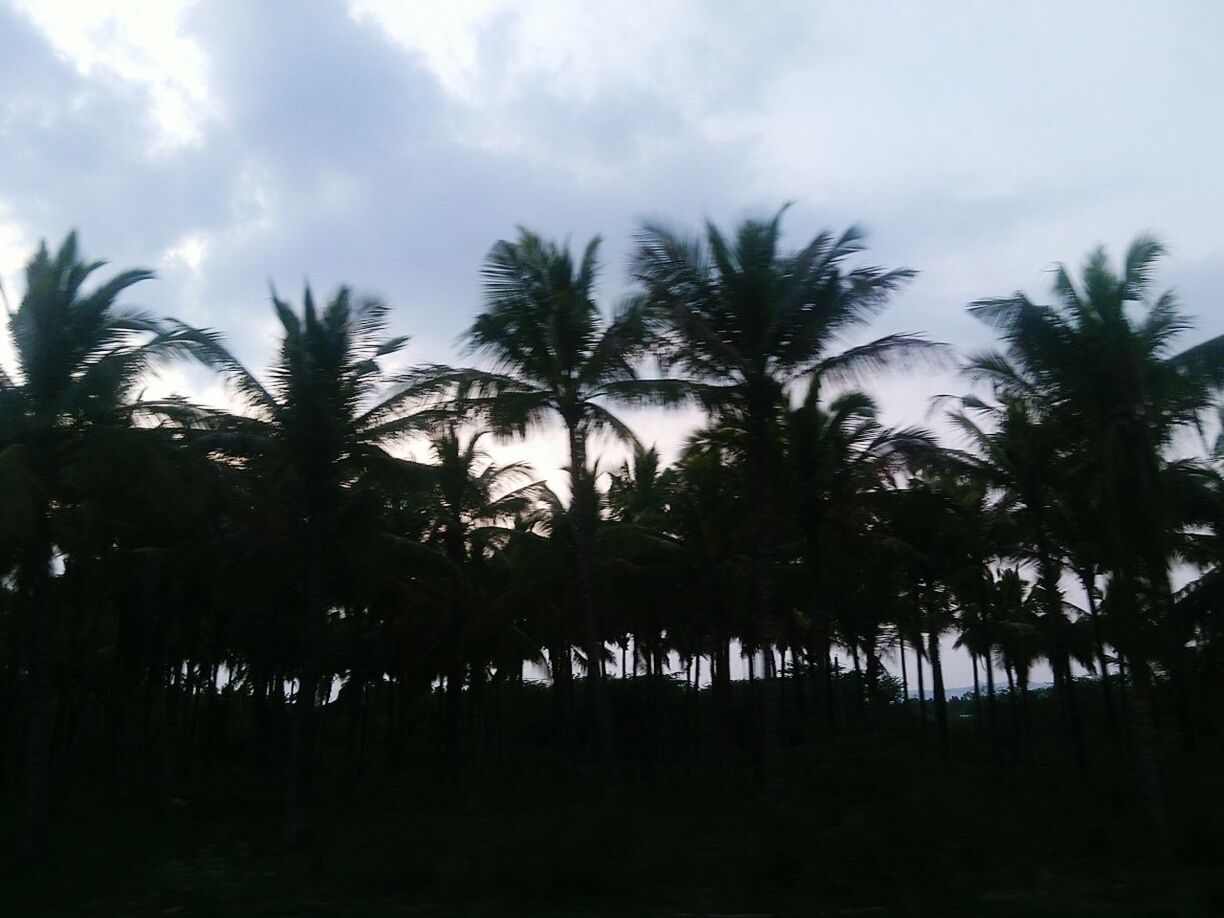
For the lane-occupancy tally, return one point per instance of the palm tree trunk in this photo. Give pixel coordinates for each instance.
(984, 582)
(937, 691)
(904, 674)
(1088, 579)
(990, 697)
(873, 666)
(1144, 750)
(1012, 702)
(977, 691)
(1022, 677)
(583, 517)
(858, 676)
(301, 731)
(1125, 701)
(297, 827)
(760, 464)
(39, 614)
(720, 672)
(453, 716)
(1048, 572)
(1181, 667)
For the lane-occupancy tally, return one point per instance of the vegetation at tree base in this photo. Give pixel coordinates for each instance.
(318, 653)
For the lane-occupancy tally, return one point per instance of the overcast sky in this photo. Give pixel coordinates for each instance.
(389, 144)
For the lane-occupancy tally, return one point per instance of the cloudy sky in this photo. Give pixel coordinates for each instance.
(388, 144)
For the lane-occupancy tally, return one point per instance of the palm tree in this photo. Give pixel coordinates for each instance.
(475, 496)
(708, 512)
(1024, 460)
(1017, 638)
(743, 321)
(920, 522)
(839, 455)
(553, 356)
(315, 436)
(639, 490)
(638, 496)
(1100, 364)
(69, 403)
(983, 531)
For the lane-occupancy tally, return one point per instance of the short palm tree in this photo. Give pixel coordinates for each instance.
(475, 497)
(839, 454)
(639, 490)
(1021, 458)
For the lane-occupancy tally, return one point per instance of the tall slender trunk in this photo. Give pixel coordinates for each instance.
(38, 612)
(453, 713)
(1064, 684)
(977, 691)
(937, 690)
(1142, 720)
(822, 674)
(1180, 669)
(1022, 677)
(858, 676)
(560, 662)
(1144, 750)
(990, 697)
(873, 666)
(1088, 579)
(301, 731)
(904, 674)
(760, 464)
(583, 517)
(984, 582)
(1013, 702)
(720, 665)
(1125, 701)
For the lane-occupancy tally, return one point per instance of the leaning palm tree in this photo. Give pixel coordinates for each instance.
(552, 356)
(315, 437)
(69, 401)
(745, 320)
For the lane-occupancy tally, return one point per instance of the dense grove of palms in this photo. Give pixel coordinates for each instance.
(338, 545)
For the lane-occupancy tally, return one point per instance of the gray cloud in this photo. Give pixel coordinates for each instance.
(976, 147)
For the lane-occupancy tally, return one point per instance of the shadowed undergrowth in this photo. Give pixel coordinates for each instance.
(845, 823)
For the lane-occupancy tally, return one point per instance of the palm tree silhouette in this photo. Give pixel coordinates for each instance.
(316, 436)
(72, 400)
(743, 321)
(1100, 364)
(553, 356)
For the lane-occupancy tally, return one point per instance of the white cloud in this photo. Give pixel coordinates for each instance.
(388, 144)
(139, 42)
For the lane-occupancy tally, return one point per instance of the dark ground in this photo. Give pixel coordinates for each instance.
(870, 821)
